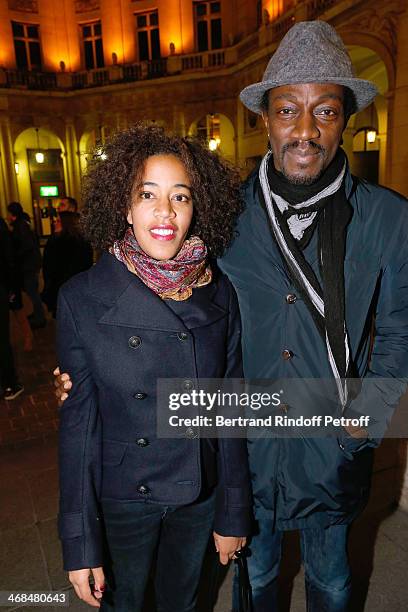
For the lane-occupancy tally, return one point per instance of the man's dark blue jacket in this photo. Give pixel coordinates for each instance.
(318, 482)
(116, 338)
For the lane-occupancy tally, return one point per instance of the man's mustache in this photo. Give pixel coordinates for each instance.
(296, 143)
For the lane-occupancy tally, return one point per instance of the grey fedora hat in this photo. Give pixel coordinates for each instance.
(310, 52)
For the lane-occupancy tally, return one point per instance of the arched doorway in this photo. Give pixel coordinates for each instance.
(366, 151)
(40, 167)
(366, 145)
(217, 132)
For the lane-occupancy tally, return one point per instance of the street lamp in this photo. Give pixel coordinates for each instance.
(39, 156)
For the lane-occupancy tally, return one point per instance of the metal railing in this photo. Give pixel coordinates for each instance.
(156, 68)
(99, 77)
(31, 80)
(132, 72)
(317, 7)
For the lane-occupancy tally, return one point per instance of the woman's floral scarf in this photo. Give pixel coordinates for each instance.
(172, 279)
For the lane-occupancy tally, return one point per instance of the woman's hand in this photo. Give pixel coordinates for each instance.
(63, 384)
(227, 546)
(80, 581)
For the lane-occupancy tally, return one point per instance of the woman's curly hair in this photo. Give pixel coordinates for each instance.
(111, 178)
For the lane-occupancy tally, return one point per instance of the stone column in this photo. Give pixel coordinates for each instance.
(8, 175)
(72, 161)
(397, 171)
(398, 178)
(179, 124)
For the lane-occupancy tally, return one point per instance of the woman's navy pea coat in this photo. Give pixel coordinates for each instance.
(116, 338)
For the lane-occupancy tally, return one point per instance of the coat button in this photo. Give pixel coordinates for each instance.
(286, 354)
(134, 342)
(142, 442)
(291, 298)
(188, 385)
(143, 489)
(139, 395)
(182, 336)
(190, 433)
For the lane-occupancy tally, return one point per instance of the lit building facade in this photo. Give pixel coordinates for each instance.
(74, 71)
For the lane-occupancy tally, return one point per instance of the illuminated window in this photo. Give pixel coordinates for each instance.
(27, 45)
(148, 36)
(92, 45)
(208, 25)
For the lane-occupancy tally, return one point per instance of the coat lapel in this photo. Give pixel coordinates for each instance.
(131, 304)
(200, 309)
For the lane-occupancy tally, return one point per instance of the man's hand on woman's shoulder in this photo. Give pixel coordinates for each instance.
(63, 384)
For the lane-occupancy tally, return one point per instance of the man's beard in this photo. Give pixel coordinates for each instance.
(298, 178)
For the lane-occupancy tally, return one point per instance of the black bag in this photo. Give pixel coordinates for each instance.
(244, 587)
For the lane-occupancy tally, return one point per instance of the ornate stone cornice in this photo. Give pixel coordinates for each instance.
(26, 6)
(83, 6)
(381, 22)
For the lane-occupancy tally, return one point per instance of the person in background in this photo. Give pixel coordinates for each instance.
(66, 253)
(66, 204)
(17, 308)
(16, 300)
(28, 258)
(10, 386)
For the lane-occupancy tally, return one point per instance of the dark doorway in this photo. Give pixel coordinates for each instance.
(365, 165)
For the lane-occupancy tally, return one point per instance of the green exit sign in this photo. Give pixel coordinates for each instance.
(48, 191)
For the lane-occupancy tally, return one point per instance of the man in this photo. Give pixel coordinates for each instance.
(66, 204)
(318, 253)
(28, 258)
(66, 253)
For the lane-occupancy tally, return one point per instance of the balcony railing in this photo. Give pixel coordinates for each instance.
(206, 59)
(83, 79)
(90, 78)
(132, 72)
(156, 68)
(112, 74)
(317, 7)
(192, 62)
(30, 80)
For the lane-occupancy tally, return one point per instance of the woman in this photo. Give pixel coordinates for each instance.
(152, 307)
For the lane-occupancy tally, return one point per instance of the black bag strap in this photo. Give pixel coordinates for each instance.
(244, 587)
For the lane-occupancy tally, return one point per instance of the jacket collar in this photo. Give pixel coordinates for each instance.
(253, 179)
(251, 186)
(131, 304)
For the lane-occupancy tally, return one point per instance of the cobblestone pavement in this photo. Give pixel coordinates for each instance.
(30, 553)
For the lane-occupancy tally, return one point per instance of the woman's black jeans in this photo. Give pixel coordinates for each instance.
(175, 537)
